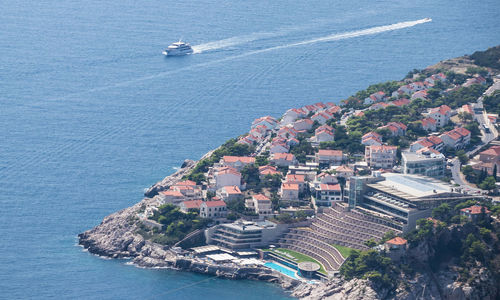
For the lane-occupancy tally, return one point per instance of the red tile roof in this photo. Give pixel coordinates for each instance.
(330, 187)
(215, 203)
(325, 152)
(260, 197)
(186, 182)
(243, 159)
(295, 178)
(284, 156)
(232, 190)
(475, 209)
(192, 204)
(397, 241)
(290, 186)
(172, 193)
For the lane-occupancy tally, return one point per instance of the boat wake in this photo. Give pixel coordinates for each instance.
(239, 40)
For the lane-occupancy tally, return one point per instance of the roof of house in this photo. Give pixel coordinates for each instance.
(214, 203)
(243, 159)
(324, 152)
(324, 131)
(232, 189)
(382, 148)
(260, 197)
(284, 156)
(173, 193)
(475, 209)
(401, 102)
(228, 170)
(329, 187)
(397, 241)
(192, 204)
(186, 182)
(371, 133)
(495, 150)
(443, 109)
(344, 168)
(289, 186)
(428, 121)
(295, 178)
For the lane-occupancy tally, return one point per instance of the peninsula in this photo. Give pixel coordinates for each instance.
(390, 195)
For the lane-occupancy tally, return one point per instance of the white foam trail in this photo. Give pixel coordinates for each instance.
(328, 38)
(350, 34)
(233, 41)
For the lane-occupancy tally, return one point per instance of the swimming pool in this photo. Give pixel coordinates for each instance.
(282, 269)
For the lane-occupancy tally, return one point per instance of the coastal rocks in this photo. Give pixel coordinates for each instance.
(355, 289)
(186, 167)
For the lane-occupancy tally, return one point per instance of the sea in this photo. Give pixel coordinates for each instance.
(91, 112)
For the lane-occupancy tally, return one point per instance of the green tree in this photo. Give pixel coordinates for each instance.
(442, 212)
(462, 156)
(488, 184)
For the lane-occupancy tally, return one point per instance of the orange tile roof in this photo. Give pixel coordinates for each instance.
(290, 186)
(192, 204)
(186, 182)
(475, 209)
(232, 189)
(215, 203)
(330, 152)
(243, 159)
(260, 197)
(295, 178)
(330, 187)
(397, 241)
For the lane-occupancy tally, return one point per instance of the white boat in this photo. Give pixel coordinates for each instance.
(178, 48)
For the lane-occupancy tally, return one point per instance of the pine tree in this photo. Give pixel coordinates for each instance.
(495, 172)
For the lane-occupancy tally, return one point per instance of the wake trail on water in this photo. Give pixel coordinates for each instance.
(328, 38)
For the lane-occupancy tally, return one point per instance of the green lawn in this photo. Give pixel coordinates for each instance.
(299, 257)
(345, 251)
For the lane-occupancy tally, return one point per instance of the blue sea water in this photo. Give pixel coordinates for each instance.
(91, 113)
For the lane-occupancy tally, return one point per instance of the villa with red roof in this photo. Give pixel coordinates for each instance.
(279, 145)
(237, 162)
(267, 121)
(297, 179)
(323, 136)
(190, 206)
(371, 139)
(457, 138)
(213, 209)
(419, 95)
(322, 117)
(432, 141)
(330, 157)
(325, 194)
(260, 204)
(344, 171)
(395, 128)
(379, 105)
(474, 212)
(303, 124)
(283, 159)
(435, 77)
(229, 193)
(171, 196)
(227, 176)
(381, 156)
(400, 102)
(268, 170)
(293, 114)
(375, 97)
(441, 114)
(429, 124)
(289, 192)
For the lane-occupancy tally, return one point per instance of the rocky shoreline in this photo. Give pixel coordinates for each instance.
(116, 237)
